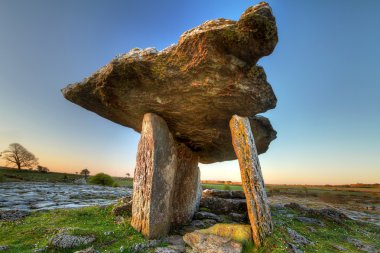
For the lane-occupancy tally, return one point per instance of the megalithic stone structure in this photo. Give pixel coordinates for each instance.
(251, 177)
(166, 185)
(185, 95)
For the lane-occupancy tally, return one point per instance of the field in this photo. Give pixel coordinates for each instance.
(12, 175)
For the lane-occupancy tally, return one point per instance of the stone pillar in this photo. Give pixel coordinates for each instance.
(251, 177)
(187, 186)
(166, 180)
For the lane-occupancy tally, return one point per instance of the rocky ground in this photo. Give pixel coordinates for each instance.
(220, 225)
(27, 196)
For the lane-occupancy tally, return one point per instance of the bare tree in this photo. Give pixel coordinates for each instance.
(85, 173)
(18, 156)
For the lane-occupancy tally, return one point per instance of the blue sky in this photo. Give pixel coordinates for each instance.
(324, 71)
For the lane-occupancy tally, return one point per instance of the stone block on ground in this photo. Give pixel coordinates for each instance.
(224, 206)
(209, 243)
(167, 181)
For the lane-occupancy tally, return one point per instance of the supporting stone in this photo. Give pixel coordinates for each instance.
(166, 186)
(154, 178)
(187, 186)
(252, 179)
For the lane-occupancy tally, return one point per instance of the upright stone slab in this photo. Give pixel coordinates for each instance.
(252, 179)
(154, 176)
(187, 186)
(166, 186)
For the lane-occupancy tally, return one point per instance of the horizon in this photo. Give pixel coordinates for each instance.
(324, 72)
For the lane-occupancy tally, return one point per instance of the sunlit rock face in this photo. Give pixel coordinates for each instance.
(195, 85)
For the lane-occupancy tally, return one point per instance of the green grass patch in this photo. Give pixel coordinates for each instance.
(223, 187)
(37, 229)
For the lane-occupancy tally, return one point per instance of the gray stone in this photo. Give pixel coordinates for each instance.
(223, 194)
(362, 246)
(338, 247)
(224, 206)
(297, 238)
(4, 247)
(166, 250)
(13, 215)
(88, 250)
(207, 215)
(310, 220)
(66, 241)
(294, 248)
(239, 217)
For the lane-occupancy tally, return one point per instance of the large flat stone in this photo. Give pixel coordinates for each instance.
(195, 85)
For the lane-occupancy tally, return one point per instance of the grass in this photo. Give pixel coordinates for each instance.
(11, 175)
(22, 236)
(222, 187)
(324, 237)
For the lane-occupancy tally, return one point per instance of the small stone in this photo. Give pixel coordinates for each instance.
(121, 249)
(239, 217)
(294, 248)
(13, 215)
(338, 247)
(107, 233)
(297, 238)
(361, 246)
(3, 247)
(310, 220)
(165, 250)
(206, 215)
(66, 241)
(88, 250)
(224, 206)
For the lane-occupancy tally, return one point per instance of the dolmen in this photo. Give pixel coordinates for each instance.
(193, 102)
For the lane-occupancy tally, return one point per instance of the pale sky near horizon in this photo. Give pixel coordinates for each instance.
(324, 72)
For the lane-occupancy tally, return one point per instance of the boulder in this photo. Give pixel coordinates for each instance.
(206, 215)
(166, 185)
(236, 232)
(64, 240)
(195, 85)
(224, 206)
(209, 243)
(252, 179)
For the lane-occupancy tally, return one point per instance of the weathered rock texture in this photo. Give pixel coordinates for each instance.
(195, 85)
(154, 178)
(187, 186)
(252, 179)
(159, 200)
